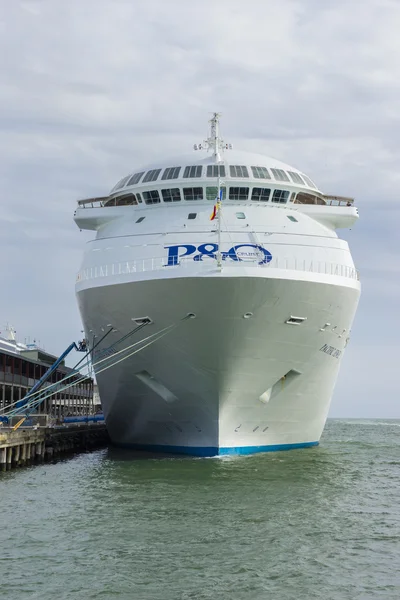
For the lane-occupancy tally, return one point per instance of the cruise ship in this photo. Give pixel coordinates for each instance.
(225, 268)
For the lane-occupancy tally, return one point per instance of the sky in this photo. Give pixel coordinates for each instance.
(91, 89)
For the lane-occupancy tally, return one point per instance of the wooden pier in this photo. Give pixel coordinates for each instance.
(28, 445)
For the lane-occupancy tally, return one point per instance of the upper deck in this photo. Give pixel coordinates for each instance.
(242, 178)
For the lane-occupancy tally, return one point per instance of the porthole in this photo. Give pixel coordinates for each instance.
(140, 219)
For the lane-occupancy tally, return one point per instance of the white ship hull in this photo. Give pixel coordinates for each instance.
(221, 383)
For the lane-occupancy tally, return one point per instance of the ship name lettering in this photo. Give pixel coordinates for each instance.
(237, 253)
(331, 350)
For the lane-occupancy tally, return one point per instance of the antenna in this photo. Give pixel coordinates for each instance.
(214, 142)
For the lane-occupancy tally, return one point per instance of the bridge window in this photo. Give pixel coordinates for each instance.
(121, 183)
(151, 197)
(171, 173)
(212, 193)
(126, 199)
(238, 171)
(238, 193)
(216, 171)
(304, 198)
(309, 182)
(192, 215)
(172, 195)
(260, 173)
(295, 177)
(135, 178)
(280, 175)
(140, 219)
(139, 197)
(195, 193)
(280, 196)
(151, 175)
(260, 194)
(191, 172)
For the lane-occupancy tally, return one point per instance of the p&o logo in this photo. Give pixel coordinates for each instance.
(238, 253)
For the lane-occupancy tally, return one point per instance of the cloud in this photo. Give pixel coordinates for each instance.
(91, 90)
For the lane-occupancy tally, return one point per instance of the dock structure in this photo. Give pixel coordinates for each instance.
(46, 408)
(25, 368)
(28, 445)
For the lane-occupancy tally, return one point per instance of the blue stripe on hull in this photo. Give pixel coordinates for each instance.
(255, 449)
(214, 450)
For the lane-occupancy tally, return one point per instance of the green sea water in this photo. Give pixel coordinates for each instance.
(318, 523)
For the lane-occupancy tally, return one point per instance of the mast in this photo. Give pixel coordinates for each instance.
(219, 215)
(214, 142)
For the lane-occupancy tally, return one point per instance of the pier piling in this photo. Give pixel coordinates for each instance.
(46, 443)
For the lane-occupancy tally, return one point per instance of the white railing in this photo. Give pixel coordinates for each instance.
(108, 201)
(338, 200)
(145, 265)
(92, 202)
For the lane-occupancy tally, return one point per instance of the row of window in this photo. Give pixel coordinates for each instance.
(257, 194)
(195, 171)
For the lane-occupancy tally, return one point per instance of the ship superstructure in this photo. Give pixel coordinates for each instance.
(236, 257)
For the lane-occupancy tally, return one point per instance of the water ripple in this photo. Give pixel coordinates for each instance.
(307, 524)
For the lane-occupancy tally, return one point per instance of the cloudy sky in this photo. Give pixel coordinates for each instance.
(89, 89)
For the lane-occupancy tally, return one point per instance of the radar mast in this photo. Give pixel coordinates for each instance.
(214, 142)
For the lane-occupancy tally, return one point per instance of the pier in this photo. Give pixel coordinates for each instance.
(46, 408)
(28, 445)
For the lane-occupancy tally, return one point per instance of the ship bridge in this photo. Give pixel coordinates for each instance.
(215, 170)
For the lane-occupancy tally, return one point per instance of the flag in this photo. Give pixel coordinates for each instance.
(215, 211)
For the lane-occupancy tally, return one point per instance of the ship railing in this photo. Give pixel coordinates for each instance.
(338, 200)
(92, 202)
(129, 199)
(208, 262)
